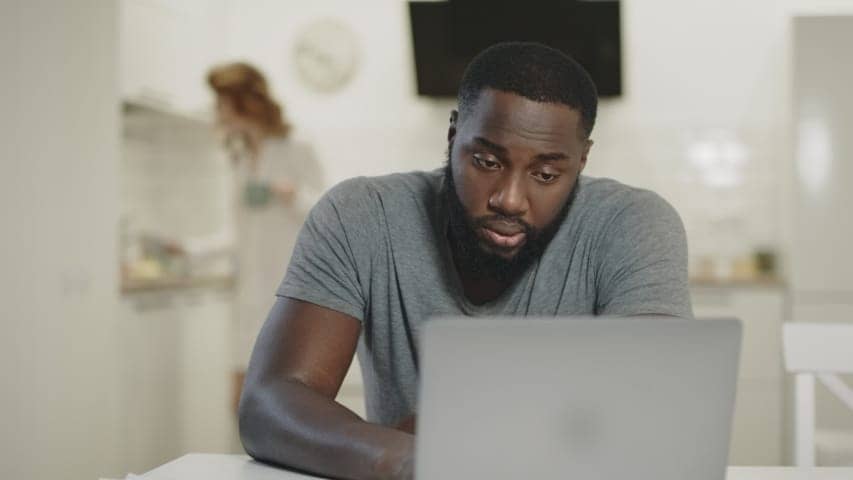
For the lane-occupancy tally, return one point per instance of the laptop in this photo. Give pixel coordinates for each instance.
(640, 398)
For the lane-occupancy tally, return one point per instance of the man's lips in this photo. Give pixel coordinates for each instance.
(504, 238)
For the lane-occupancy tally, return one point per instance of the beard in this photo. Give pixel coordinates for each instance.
(469, 253)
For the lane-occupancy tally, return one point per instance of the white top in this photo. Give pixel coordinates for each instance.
(266, 232)
(263, 230)
(241, 467)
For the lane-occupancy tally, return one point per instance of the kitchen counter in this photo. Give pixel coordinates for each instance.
(132, 286)
(753, 282)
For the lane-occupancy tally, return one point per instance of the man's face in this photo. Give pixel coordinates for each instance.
(514, 164)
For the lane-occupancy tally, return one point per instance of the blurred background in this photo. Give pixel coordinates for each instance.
(123, 329)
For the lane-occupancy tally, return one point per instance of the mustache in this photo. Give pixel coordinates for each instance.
(487, 220)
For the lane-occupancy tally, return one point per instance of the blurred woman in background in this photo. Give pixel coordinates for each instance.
(277, 180)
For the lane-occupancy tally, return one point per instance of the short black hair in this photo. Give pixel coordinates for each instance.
(534, 71)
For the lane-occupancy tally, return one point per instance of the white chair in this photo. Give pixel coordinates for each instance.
(819, 351)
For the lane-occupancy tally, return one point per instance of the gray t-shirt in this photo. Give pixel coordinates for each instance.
(376, 249)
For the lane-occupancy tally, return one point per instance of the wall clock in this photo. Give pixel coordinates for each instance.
(326, 55)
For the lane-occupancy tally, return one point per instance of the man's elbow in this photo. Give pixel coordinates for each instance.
(248, 422)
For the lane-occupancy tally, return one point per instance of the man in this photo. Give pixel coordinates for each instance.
(508, 227)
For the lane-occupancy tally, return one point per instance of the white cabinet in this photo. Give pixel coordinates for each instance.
(823, 111)
(209, 423)
(149, 353)
(176, 377)
(166, 48)
(762, 311)
(827, 308)
(757, 437)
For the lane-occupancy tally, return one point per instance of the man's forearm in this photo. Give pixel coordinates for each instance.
(288, 423)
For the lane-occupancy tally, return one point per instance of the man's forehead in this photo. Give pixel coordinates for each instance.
(498, 111)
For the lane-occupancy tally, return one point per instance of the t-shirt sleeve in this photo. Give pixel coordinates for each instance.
(643, 262)
(333, 251)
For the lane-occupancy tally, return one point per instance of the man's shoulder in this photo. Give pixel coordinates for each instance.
(608, 197)
(605, 207)
(607, 191)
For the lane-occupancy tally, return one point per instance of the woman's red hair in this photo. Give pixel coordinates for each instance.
(246, 88)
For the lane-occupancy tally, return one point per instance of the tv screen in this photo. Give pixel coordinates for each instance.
(446, 36)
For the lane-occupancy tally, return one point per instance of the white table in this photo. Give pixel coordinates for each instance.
(240, 467)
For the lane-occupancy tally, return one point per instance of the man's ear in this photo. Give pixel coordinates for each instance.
(586, 147)
(451, 130)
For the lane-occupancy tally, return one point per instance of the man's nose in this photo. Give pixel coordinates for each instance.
(510, 198)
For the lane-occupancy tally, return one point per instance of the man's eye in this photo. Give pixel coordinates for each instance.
(486, 162)
(545, 177)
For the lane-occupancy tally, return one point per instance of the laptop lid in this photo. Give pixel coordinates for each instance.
(579, 398)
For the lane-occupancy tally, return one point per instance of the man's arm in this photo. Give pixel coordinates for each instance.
(288, 414)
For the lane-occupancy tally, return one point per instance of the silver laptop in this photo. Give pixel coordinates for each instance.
(640, 398)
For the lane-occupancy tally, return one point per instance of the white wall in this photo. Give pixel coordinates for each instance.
(58, 197)
(691, 69)
(376, 124)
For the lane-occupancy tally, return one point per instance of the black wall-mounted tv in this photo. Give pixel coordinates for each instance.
(446, 36)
